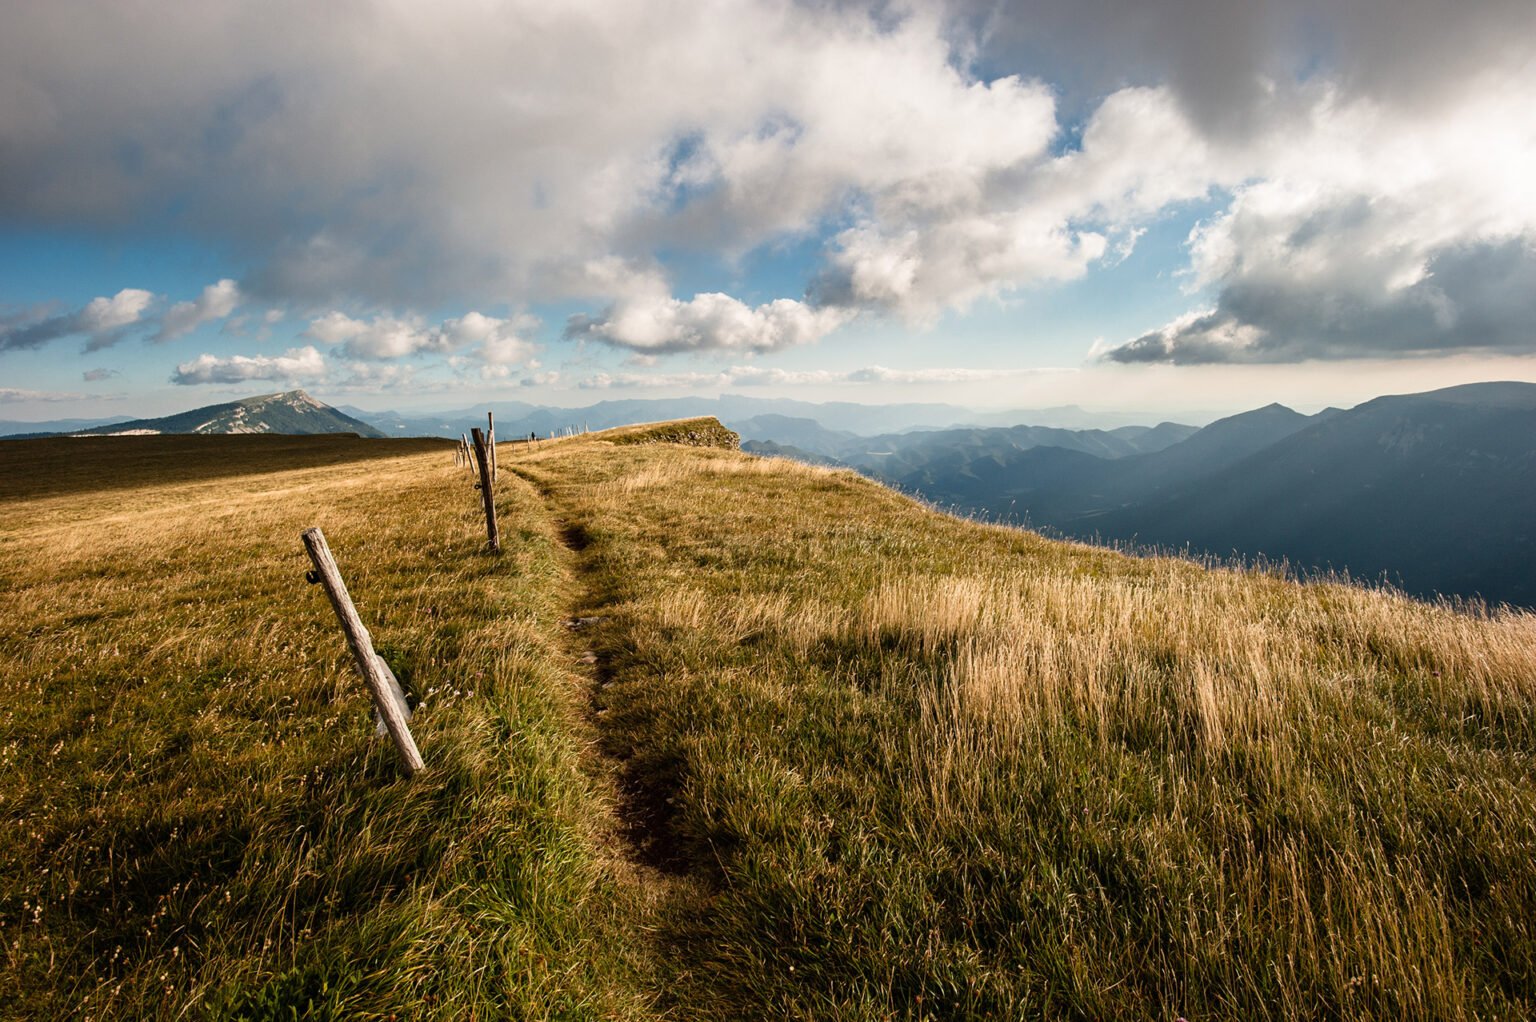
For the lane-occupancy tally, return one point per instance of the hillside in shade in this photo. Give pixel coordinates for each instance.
(1434, 492)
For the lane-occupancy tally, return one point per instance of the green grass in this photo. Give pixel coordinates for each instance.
(704, 432)
(835, 756)
(200, 821)
(932, 769)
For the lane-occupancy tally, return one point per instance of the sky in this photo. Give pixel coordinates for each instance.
(1185, 207)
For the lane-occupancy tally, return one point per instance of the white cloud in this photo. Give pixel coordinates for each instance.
(735, 126)
(102, 321)
(102, 315)
(373, 377)
(497, 341)
(325, 145)
(383, 337)
(304, 363)
(660, 323)
(1365, 230)
(217, 301)
(502, 342)
(921, 272)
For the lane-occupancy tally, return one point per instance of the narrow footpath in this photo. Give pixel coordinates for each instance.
(639, 845)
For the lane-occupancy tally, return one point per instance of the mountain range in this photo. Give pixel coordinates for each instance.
(1432, 492)
(292, 412)
(514, 418)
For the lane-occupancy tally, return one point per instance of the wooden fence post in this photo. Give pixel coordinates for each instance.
(469, 459)
(490, 439)
(487, 491)
(388, 699)
(379, 727)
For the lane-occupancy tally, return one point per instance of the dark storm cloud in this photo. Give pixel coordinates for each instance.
(1232, 64)
(1472, 298)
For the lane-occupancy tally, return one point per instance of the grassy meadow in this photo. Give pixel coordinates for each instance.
(927, 768)
(200, 822)
(811, 750)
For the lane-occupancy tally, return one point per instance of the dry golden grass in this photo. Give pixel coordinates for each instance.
(941, 769)
(205, 824)
(909, 766)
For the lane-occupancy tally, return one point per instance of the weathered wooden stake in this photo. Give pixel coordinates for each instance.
(487, 492)
(490, 438)
(469, 459)
(379, 727)
(388, 700)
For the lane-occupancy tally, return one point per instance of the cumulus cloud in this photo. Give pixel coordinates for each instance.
(500, 343)
(497, 341)
(101, 321)
(383, 337)
(97, 375)
(372, 377)
(933, 154)
(1479, 297)
(304, 363)
(1369, 237)
(216, 302)
(921, 272)
(734, 127)
(660, 323)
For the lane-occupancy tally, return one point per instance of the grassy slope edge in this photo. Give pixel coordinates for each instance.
(934, 769)
(900, 765)
(200, 821)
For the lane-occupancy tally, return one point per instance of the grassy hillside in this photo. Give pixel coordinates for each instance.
(807, 750)
(200, 821)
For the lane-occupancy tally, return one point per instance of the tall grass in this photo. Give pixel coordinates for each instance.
(839, 756)
(932, 768)
(200, 820)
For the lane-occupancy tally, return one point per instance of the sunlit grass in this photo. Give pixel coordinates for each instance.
(839, 756)
(939, 769)
(201, 821)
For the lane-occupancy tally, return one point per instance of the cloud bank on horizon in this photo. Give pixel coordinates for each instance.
(1368, 164)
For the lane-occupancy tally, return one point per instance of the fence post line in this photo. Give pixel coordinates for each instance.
(388, 700)
(487, 492)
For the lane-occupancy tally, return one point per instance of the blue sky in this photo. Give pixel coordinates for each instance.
(1184, 209)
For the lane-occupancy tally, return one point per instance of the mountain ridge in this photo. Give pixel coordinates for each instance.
(1431, 491)
(292, 412)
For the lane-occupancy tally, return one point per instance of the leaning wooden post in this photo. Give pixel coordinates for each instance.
(490, 439)
(487, 493)
(469, 459)
(387, 697)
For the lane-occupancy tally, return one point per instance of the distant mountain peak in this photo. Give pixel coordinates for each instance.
(292, 412)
